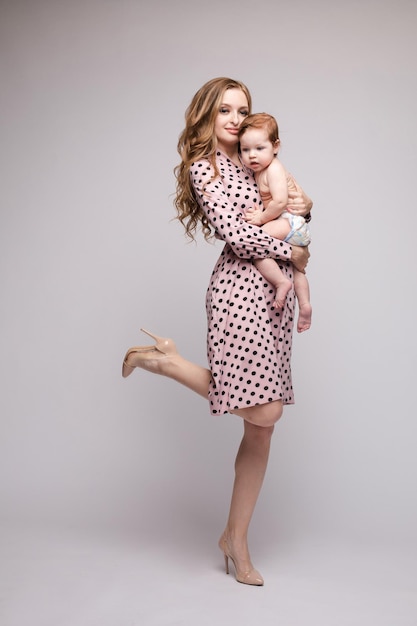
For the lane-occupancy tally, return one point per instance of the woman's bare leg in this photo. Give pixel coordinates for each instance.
(251, 460)
(250, 467)
(163, 359)
(189, 374)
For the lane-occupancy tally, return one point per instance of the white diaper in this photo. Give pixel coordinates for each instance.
(299, 234)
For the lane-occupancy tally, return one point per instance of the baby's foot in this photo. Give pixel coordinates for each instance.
(282, 289)
(304, 317)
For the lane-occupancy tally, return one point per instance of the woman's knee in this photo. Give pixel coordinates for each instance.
(262, 434)
(268, 414)
(264, 415)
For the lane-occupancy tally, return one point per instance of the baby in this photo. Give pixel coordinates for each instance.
(259, 143)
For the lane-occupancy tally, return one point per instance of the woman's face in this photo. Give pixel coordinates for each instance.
(233, 109)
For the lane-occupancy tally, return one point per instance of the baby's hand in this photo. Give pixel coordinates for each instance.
(254, 217)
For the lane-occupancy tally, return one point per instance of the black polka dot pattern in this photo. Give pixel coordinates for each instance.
(248, 341)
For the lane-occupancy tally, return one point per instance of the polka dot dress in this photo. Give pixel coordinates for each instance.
(248, 341)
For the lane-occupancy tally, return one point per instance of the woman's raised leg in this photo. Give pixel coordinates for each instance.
(163, 358)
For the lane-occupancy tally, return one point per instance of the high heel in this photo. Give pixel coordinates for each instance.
(148, 354)
(248, 577)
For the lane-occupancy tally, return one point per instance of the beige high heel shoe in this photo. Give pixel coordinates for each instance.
(147, 354)
(248, 577)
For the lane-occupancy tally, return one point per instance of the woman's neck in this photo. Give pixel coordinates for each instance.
(231, 153)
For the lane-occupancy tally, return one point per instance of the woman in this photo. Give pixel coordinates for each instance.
(249, 341)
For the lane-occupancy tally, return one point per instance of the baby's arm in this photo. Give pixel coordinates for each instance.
(274, 178)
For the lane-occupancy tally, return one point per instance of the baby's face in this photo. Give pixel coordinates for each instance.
(257, 150)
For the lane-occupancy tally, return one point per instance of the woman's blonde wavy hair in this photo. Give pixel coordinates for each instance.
(198, 141)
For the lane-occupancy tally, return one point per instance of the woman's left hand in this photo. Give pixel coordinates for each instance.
(298, 201)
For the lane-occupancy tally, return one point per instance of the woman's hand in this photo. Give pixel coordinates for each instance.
(299, 257)
(298, 201)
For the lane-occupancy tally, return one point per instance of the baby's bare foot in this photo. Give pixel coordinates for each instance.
(281, 294)
(304, 317)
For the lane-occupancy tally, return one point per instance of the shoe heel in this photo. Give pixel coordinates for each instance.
(226, 563)
(165, 346)
(149, 355)
(150, 334)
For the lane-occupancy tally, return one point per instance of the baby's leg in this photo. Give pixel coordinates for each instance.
(278, 228)
(302, 291)
(271, 272)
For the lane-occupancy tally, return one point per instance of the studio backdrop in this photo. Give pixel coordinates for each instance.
(92, 103)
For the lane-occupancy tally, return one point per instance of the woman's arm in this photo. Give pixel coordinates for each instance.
(247, 241)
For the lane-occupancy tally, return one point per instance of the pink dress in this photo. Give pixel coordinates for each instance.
(248, 341)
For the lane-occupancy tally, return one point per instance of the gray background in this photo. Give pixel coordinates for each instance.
(93, 96)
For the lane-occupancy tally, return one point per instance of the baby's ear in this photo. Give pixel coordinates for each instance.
(276, 146)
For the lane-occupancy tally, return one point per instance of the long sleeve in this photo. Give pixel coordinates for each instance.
(224, 200)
